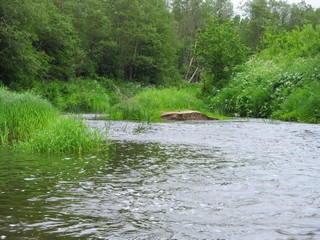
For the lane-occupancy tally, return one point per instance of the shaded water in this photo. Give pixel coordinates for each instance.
(194, 180)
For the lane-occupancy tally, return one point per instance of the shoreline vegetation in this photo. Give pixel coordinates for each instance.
(135, 61)
(272, 89)
(30, 123)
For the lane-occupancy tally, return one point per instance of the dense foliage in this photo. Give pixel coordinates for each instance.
(45, 39)
(250, 65)
(220, 50)
(272, 85)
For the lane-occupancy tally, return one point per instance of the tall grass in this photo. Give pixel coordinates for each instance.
(85, 95)
(65, 135)
(31, 123)
(77, 96)
(23, 114)
(149, 104)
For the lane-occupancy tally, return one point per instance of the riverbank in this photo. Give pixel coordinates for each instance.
(119, 100)
(29, 122)
(263, 89)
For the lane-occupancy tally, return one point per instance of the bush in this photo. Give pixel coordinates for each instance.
(302, 105)
(268, 88)
(272, 83)
(248, 93)
(300, 42)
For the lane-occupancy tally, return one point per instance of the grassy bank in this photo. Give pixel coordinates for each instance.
(65, 134)
(85, 95)
(148, 105)
(31, 123)
(121, 100)
(264, 88)
(21, 115)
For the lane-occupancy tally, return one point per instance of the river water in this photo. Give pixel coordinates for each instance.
(235, 179)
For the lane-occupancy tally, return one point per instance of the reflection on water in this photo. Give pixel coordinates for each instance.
(210, 180)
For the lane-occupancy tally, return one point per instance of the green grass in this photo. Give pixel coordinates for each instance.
(31, 123)
(23, 114)
(148, 105)
(85, 95)
(67, 134)
(77, 96)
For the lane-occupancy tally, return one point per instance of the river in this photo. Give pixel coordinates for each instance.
(236, 179)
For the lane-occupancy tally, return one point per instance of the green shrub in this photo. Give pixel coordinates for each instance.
(264, 89)
(300, 42)
(302, 105)
(272, 83)
(248, 93)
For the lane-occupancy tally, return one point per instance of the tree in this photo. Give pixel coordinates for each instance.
(300, 42)
(190, 16)
(279, 13)
(90, 19)
(19, 60)
(258, 14)
(37, 42)
(261, 15)
(220, 50)
(145, 41)
(302, 14)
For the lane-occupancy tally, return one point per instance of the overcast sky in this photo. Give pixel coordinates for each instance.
(314, 3)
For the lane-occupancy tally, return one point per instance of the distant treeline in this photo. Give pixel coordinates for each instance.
(147, 41)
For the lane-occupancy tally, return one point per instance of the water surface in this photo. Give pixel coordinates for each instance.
(238, 179)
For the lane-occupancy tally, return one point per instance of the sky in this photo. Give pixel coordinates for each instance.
(313, 3)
